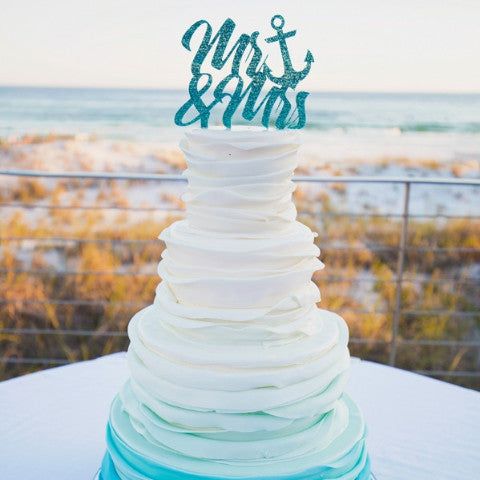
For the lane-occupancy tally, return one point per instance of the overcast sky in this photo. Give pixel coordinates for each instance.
(366, 45)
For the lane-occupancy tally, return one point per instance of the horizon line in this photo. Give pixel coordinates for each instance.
(179, 89)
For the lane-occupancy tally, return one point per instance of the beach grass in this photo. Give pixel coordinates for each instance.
(55, 290)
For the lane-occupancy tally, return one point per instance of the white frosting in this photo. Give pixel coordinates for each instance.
(234, 347)
(240, 181)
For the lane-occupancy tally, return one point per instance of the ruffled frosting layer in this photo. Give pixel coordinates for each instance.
(240, 181)
(222, 272)
(325, 454)
(235, 371)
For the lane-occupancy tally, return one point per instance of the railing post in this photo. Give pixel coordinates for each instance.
(399, 280)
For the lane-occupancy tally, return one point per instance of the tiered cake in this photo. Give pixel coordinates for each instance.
(235, 371)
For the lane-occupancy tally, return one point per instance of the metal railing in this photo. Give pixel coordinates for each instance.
(401, 250)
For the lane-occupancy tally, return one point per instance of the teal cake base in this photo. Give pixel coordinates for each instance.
(108, 472)
(130, 456)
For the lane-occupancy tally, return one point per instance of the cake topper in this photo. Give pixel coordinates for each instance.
(239, 94)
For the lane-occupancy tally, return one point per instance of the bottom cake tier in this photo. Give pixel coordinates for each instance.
(132, 455)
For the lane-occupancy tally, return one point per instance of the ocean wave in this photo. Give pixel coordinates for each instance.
(420, 127)
(473, 127)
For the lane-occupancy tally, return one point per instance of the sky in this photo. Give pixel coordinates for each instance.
(358, 45)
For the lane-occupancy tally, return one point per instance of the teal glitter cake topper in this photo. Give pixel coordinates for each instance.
(260, 93)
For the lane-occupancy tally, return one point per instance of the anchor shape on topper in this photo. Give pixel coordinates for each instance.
(251, 95)
(291, 77)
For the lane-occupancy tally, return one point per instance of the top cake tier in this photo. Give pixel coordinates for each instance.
(240, 180)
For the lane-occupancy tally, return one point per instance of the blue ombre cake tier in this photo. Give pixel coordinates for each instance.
(133, 456)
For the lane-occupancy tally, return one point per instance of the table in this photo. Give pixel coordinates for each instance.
(52, 422)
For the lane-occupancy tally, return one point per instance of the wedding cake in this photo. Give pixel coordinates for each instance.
(235, 373)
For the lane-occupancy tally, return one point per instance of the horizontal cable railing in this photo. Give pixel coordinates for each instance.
(52, 301)
(402, 250)
(325, 246)
(325, 278)
(181, 210)
(163, 177)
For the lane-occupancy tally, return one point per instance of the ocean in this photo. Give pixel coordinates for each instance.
(443, 127)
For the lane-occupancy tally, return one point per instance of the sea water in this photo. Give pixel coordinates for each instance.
(443, 127)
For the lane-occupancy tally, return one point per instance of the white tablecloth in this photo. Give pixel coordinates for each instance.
(52, 422)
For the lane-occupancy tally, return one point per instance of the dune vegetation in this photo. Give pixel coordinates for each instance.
(70, 279)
